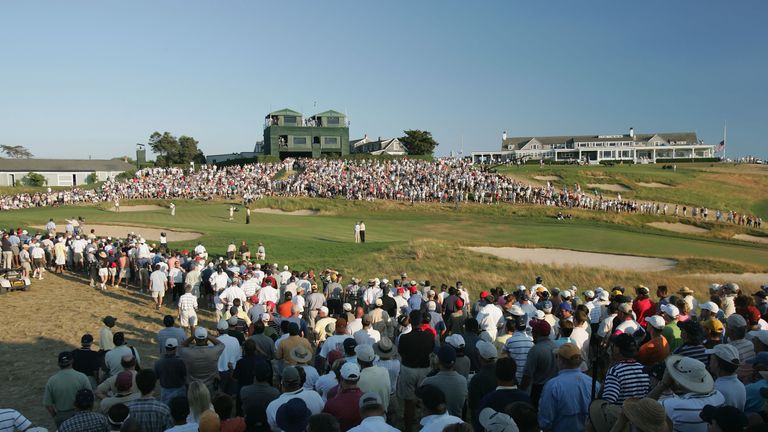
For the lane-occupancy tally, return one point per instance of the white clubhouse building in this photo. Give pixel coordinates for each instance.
(592, 149)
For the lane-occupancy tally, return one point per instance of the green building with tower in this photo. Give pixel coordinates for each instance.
(288, 134)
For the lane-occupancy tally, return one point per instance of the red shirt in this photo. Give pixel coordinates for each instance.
(643, 308)
(236, 424)
(427, 328)
(342, 406)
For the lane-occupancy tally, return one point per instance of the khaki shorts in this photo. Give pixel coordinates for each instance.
(157, 294)
(409, 380)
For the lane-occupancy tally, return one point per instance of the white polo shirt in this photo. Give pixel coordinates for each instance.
(684, 410)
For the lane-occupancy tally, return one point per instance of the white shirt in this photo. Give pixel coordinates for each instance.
(367, 336)
(176, 275)
(284, 277)
(325, 383)
(219, 281)
(684, 410)
(436, 423)
(311, 376)
(733, 390)
(374, 424)
(354, 325)
(157, 281)
(113, 357)
(376, 379)
(268, 294)
(489, 317)
(231, 353)
(335, 342)
(311, 398)
(187, 427)
(231, 293)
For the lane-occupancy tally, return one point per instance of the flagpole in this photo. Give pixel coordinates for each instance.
(725, 139)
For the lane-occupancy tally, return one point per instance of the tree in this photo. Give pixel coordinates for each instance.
(34, 179)
(165, 145)
(92, 178)
(172, 150)
(15, 152)
(418, 142)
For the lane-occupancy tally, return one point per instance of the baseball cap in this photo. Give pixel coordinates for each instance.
(447, 355)
(726, 352)
(493, 421)
(431, 397)
(232, 321)
(171, 343)
(566, 306)
(365, 353)
(670, 310)
(347, 307)
(566, 294)
(603, 295)
(761, 335)
(710, 306)
(568, 351)
(455, 340)
(118, 338)
(124, 381)
(541, 327)
(484, 294)
(265, 317)
(369, 400)
(290, 376)
(625, 308)
(540, 315)
(293, 416)
(546, 306)
(431, 306)
(725, 415)
(87, 339)
(201, 333)
(516, 311)
(84, 397)
(323, 309)
(736, 321)
(486, 350)
(65, 358)
(350, 371)
(109, 320)
(656, 321)
(222, 325)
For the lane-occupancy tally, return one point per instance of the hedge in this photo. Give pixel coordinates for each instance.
(714, 159)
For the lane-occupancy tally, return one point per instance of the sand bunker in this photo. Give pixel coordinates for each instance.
(146, 232)
(137, 208)
(678, 227)
(286, 213)
(654, 185)
(755, 278)
(751, 238)
(609, 187)
(547, 178)
(574, 258)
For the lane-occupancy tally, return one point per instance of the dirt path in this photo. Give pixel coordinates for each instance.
(751, 238)
(678, 227)
(71, 308)
(561, 257)
(146, 232)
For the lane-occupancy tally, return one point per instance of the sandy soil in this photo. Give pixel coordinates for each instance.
(146, 232)
(547, 178)
(29, 348)
(678, 227)
(751, 238)
(609, 187)
(286, 213)
(574, 258)
(654, 185)
(137, 208)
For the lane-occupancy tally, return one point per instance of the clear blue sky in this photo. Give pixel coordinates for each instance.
(92, 78)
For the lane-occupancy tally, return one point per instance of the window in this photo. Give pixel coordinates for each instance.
(330, 140)
(289, 119)
(300, 140)
(332, 121)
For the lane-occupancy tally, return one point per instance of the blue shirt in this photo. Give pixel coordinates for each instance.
(755, 401)
(414, 302)
(564, 403)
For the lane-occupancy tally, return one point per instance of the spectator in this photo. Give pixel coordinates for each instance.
(171, 371)
(565, 399)
(84, 419)
(453, 385)
(349, 394)
(153, 415)
(723, 364)
(61, 388)
(435, 409)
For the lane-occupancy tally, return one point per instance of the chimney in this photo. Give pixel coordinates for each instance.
(379, 138)
(504, 135)
(632, 133)
(365, 138)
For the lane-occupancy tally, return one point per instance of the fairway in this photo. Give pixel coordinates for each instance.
(325, 239)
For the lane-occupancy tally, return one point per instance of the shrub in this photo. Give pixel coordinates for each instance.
(34, 179)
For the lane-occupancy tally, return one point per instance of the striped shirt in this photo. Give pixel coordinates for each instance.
(517, 347)
(697, 352)
(684, 410)
(188, 302)
(12, 420)
(624, 380)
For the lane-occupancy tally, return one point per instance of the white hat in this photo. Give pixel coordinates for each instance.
(710, 306)
(350, 371)
(521, 288)
(379, 302)
(364, 353)
(589, 293)
(285, 268)
(690, 373)
(540, 315)
(265, 317)
(347, 307)
(201, 333)
(598, 290)
(222, 325)
(625, 307)
(565, 294)
(493, 421)
(258, 266)
(431, 306)
(726, 352)
(455, 340)
(516, 310)
(573, 289)
(171, 343)
(603, 295)
(655, 321)
(714, 286)
(670, 310)
(486, 350)
(324, 309)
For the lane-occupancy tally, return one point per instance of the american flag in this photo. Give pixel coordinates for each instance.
(720, 147)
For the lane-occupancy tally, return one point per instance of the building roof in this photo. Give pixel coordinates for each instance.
(329, 113)
(63, 165)
(284, 112)
(520, 142)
